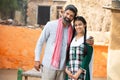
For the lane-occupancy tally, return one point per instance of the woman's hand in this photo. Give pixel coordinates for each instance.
(76, 75)
(69, 73)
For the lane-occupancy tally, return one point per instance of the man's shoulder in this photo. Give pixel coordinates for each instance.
(53, 21)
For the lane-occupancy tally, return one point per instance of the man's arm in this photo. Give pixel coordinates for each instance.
(43, 38)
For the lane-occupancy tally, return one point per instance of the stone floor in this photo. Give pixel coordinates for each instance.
(8, 74)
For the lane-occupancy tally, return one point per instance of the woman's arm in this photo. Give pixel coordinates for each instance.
(87, 58)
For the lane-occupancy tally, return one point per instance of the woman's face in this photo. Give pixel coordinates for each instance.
(79, 27)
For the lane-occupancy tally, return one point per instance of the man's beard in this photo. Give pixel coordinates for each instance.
(67, 20)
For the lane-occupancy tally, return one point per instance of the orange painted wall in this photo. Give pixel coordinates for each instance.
(17, 46)
(100, 61)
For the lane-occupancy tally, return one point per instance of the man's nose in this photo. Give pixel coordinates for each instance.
(68, 16)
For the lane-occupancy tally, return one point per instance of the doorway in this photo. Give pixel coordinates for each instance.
(43, 15)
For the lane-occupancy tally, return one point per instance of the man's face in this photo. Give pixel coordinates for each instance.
(68, 16)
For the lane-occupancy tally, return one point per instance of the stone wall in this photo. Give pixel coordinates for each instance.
(33, 7)
(114, 47)
(98, 19)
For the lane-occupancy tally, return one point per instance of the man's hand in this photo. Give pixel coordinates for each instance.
(37, 65)
(90, 40)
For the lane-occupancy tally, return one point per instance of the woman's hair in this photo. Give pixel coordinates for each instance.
(81, 18)
(78, 18)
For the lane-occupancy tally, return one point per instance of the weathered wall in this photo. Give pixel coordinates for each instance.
(113, 69)
(32, 11)
(100, 61)
(17, 46)
(98, 19)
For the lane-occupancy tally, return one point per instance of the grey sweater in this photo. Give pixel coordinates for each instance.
(48, 36)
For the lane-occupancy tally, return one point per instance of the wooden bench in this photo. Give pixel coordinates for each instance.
(29, 73)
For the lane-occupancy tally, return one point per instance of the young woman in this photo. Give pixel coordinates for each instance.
(80, 53)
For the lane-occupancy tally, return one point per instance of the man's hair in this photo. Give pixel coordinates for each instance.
(72, 8)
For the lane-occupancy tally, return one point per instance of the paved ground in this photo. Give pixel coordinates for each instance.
(12, 75)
